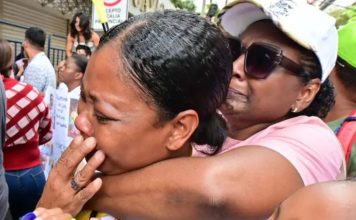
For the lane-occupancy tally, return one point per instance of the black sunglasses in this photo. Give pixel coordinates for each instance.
(262, 58)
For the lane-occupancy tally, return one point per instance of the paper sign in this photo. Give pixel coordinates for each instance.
(63, 108)
(116, 13)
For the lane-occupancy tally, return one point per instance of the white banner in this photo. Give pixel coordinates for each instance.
(64, 111)
(116, 11)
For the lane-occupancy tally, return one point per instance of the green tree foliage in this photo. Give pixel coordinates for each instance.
(207, 8)
(344, 15)
(184, 4)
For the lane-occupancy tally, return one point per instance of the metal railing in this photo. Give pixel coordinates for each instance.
(55, 55)
(17, 45)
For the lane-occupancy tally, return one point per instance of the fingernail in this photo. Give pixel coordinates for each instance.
(78, 139)
(90, 141)
(97, 180)
(99, 154)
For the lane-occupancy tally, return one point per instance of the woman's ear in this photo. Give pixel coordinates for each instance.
(78, 75)
(184, 124)
(307, 94)
(25, 44)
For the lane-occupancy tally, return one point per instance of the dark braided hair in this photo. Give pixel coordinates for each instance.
(179, 61)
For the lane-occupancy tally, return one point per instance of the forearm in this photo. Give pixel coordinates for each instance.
(244, 183)
(69, 46)
(69, 53)
(228, 186)
(154, 193)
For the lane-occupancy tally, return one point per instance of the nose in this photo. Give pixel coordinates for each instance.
(82, 122)
(238, 70)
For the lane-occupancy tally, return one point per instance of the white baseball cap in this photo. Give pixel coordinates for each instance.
(305, 24)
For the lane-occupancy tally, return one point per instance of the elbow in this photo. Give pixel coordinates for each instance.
(218, 201)
(216, 207)
(228, 193)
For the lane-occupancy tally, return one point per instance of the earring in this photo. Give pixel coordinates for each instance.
(295, 109)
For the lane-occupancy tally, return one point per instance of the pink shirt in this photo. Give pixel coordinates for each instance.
(306, 142)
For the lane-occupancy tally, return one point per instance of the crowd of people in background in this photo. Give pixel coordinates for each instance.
(28, 124)
(253, 117)
(26, 78)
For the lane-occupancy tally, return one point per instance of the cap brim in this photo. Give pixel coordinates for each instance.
(239, 16)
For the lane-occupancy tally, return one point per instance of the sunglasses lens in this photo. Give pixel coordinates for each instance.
(235, 48)
(260, 61)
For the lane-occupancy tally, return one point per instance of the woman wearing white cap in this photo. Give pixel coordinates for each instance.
(276, 146)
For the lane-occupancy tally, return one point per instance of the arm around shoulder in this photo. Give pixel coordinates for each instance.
(247, 182)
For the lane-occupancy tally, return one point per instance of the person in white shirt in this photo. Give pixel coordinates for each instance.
(73, 73)
(39, 72)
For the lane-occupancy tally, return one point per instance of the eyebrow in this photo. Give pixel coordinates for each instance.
(92, 97)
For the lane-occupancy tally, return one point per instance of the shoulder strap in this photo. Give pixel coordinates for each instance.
(347, 134)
